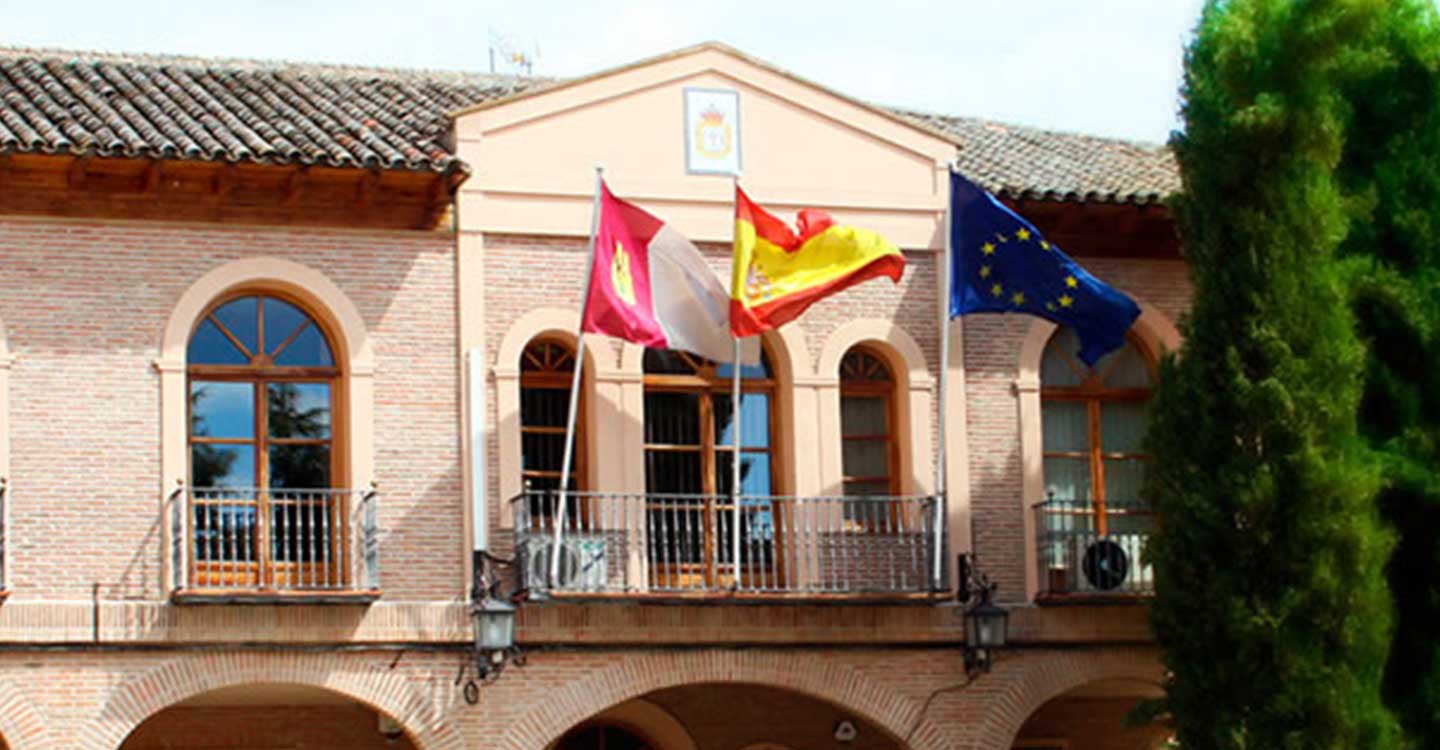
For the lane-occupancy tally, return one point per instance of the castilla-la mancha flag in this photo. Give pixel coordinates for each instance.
(778, 273)
(649, 285)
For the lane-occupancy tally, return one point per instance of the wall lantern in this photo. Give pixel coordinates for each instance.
(986, 623)
(493, 618)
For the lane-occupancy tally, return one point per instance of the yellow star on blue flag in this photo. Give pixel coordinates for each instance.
(992, 248)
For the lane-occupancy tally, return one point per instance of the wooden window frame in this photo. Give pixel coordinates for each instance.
(869, 388)
(548, 378)
(260, 373)
(707, 384)
(1093, 393)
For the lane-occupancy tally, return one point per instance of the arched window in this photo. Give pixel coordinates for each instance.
(547, 368)
(262, 383)
(1094, 419)
(689, 433)
(867, 425)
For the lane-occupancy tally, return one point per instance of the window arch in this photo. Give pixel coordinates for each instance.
(263, 389)
(869, 464)
(1093, 420)
(547, 368)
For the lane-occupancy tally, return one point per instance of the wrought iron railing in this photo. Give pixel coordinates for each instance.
(636, 544)
(1082, 553)
(275, 540)
(4, 581)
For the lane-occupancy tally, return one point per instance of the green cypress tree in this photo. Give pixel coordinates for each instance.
(1391, 162)
(1271, 608)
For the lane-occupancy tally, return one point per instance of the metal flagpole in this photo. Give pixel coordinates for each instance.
(567, 455)
(735, 434)
(941, 496)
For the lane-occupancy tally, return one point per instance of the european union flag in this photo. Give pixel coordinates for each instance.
(999, 263)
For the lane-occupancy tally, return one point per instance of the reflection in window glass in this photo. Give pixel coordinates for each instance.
(222, 409)
(299, 410)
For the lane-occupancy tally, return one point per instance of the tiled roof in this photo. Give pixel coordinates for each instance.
(238, 111)
(1024, 162)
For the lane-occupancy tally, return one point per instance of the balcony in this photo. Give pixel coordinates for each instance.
(673, 546)
(275, 545)
(1085, 556)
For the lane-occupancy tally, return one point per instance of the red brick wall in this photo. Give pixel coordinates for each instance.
(84, 304)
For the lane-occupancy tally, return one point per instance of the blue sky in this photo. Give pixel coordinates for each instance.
(1108, 67)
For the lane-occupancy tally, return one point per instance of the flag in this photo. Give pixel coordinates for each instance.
(649, 285)
(777, 274)
(1000, 263)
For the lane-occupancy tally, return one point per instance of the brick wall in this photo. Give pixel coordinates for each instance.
(84, 304)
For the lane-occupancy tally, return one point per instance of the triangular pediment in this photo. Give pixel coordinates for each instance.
(797, 144)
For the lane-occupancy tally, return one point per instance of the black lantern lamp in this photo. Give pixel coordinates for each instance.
(986, 623)
(493, 618)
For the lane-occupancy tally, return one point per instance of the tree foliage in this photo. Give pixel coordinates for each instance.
(1391, 163)
(1272, 608)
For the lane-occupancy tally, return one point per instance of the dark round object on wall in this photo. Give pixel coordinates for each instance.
(1105, 565)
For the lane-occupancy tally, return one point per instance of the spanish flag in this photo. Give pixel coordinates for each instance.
(777, 274)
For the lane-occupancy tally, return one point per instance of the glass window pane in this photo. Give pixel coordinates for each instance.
(544, 407)
(1067, 479)
(671, 471)
(1054, 368)
(542, 452)
(208, 346)
(299, 466)
(672, 418)
(1122, 426)
(666, 362)
(222, 409)
(754, 410)
(866, 489)
(725, 370)
(214, 465)
(754, 473)
(1065, 425)
(1127, 368)
(309, 349)
(861, 415)
(281, 320)
(865, 458)
(299, 410)
(241, 318)
(1124, 479)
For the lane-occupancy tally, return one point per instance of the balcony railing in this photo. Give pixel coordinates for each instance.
(1079, 556)
(675, 544)
(275, 541)
(4, 581)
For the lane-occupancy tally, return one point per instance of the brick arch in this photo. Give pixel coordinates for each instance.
(1031, 684)
(21, 725)
(390, 693)
(631, 678)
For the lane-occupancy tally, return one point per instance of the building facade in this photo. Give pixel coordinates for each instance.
(299, 339)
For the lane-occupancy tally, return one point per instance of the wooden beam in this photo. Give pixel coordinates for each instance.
(365, 189)
(75, 175)
(437, 198)
(295, 186)
(222, 183)
(150, 183)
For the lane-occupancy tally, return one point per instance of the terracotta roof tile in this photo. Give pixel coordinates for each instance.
(1024, 162)
(170, 107)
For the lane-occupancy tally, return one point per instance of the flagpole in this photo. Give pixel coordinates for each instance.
(941, 496)
(735, 427)
(567, 456)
